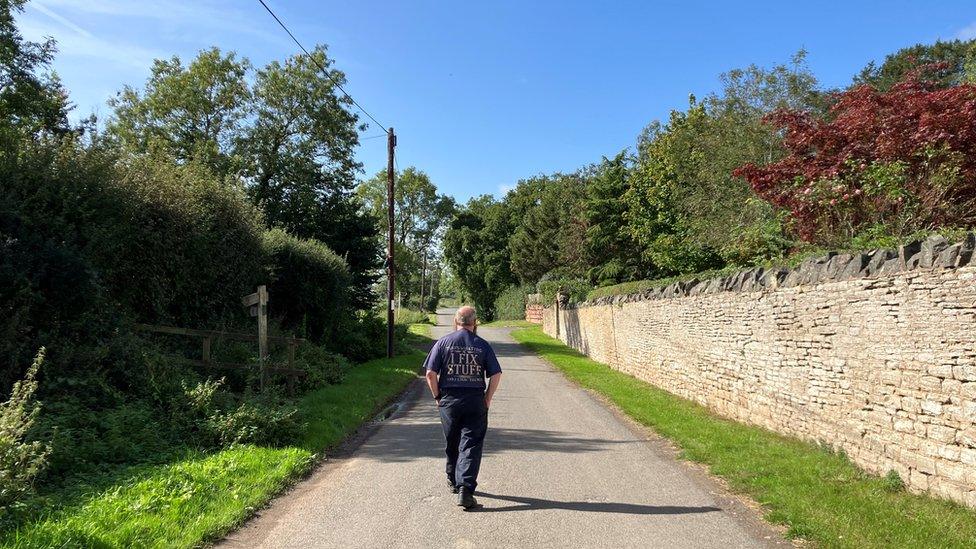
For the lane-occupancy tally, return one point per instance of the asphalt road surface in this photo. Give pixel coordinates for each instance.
(561, 469)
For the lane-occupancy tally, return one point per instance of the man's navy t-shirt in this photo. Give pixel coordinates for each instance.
(463, 361)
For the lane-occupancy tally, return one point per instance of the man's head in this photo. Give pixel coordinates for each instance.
(466, 317)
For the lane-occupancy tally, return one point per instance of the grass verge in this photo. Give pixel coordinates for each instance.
(507, 324)
(818, 494)
(201, 497)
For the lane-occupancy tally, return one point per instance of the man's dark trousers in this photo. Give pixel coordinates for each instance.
(464, 418)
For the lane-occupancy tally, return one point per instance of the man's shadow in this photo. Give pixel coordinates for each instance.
(532, 504)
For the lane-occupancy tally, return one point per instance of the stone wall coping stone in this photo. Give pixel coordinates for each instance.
(934, 252)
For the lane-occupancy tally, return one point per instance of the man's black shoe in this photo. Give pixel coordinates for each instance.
(466, 499)
(454, 487)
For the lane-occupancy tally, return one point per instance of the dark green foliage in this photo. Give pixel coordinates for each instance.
(307, 284)
(551, 232)
(321, 367)
(165, 242)
(341, 223)
(216, 418)
(476, 248)
(361, 337)
(609, 245)
(575, 290)
(510, 304)
(944, 63)
(31, 103)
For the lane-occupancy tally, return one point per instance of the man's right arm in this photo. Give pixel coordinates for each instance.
(432, 383)
(432, 365)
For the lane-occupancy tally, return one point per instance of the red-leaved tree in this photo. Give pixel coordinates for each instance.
(894, 162)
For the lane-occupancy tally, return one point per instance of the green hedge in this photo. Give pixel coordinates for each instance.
(510, 304)
(308, 284)
(575, 289)
(91, 242)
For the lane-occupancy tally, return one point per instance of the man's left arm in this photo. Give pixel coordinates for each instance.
(494, 371)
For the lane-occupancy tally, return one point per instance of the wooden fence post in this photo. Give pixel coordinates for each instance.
(206, 351)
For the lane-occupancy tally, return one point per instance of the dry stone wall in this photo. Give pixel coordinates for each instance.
(871, 353)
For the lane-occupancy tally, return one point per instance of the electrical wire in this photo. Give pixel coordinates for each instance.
(324, 70)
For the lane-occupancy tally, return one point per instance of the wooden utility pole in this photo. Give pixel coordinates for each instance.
(390, 145)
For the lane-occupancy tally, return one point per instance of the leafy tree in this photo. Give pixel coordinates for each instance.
(188, 113)
(298, 158)
(302, 129)
(944, 64)
(686, 209)
(609, 246)
(549, 234)
(31, 102)
(476, 249)
(901, 160)
(669, 169)
(289, 136)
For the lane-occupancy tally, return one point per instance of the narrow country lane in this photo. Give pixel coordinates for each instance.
(560, 470)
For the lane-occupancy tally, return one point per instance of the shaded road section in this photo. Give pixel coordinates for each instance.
(560, 470)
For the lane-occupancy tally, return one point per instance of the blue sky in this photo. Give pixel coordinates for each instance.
(483, 94)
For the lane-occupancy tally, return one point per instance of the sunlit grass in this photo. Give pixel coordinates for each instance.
(507, 324)
(818, 494)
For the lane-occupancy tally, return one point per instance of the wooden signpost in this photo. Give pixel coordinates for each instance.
(258, 303)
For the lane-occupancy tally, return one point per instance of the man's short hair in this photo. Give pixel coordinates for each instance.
(466, 316)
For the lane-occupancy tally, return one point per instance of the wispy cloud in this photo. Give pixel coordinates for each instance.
(503, 189)
(197, 21)
(968, 32)
(81, 42)
(48, 12)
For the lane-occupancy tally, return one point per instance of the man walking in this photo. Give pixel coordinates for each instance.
(457, 367)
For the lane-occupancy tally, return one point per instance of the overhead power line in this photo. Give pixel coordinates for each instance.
(320, 65)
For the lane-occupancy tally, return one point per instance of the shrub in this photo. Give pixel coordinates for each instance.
(321, 366)
(218, 418)
(510, 304)
(308, 287)
(362, 337)
(20, 461)
(167, 242)
(904, 159)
